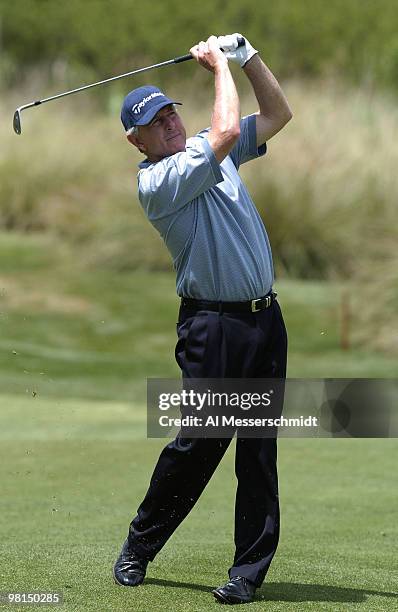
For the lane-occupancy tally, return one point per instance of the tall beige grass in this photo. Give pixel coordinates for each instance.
(327, 189)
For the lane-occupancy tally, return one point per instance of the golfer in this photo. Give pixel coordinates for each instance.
(230, 324)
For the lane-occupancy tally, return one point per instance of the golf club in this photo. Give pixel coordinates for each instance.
(17, 125)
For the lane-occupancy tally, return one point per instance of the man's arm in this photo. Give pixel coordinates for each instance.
(274, 111)
(225, 122)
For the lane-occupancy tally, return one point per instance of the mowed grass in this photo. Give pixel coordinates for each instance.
(76, 346)
(70, 331)
(74, 471)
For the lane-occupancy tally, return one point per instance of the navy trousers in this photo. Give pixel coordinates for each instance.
(220, 345)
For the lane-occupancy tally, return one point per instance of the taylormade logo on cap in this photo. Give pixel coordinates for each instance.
(141, 105)
(137, 107)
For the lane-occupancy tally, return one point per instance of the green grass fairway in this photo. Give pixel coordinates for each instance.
(76, 347)
(73, 472)
(66, 331)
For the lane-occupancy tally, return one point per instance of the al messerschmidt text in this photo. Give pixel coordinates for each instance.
(232, 421)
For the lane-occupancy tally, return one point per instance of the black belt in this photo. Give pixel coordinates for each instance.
(250, 306)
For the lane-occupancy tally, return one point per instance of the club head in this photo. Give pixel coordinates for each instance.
(16, 123)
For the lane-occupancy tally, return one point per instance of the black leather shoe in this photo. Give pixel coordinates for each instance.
(238, 590)
(129, 569)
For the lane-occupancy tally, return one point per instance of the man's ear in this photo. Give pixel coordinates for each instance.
(134, 140)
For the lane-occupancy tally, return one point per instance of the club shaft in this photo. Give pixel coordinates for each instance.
(115, 78)
(175, 60)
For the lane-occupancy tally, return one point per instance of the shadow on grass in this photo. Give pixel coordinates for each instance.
(179, 585)
(288, 591)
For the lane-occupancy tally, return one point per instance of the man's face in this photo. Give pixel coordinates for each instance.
(163, 136)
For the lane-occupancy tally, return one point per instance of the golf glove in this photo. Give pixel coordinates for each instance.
(240, 55)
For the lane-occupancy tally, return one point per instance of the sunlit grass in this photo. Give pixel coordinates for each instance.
(74, 471)
(71, 332)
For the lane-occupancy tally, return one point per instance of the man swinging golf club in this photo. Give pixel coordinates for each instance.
(230, 324)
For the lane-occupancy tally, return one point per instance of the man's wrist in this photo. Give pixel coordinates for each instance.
(249, 63)
(250, 52)
(221, 67)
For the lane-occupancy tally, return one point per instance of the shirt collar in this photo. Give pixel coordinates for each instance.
(144, 164)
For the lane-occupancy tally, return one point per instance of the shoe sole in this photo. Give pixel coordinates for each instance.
(219, 597)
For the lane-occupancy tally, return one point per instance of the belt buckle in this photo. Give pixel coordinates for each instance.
(253, 305)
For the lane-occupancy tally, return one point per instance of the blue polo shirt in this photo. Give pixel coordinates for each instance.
(208, 221)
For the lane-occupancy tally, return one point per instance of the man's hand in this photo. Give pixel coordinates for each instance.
(224, 130)
(240, 55)
(209, 55)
